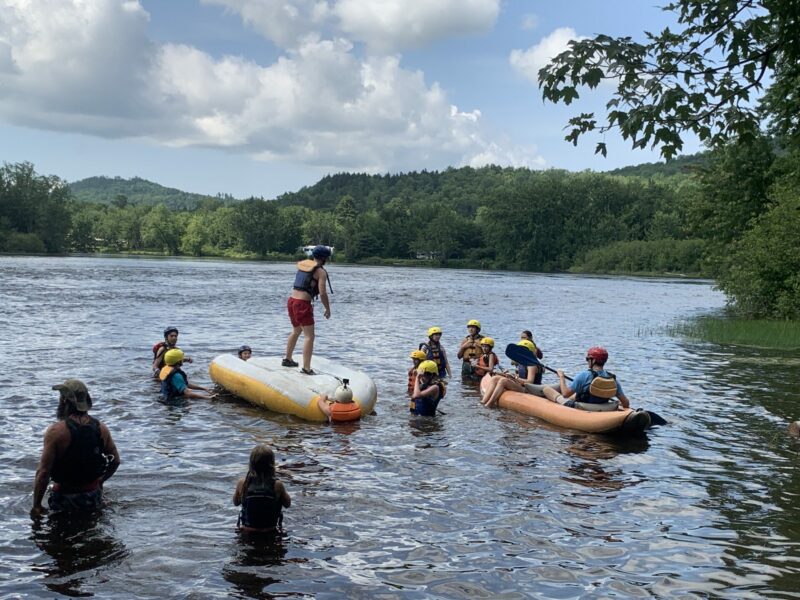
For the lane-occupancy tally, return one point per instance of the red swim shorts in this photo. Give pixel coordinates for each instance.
(301, 312)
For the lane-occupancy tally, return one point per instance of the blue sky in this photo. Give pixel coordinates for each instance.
(260, 97)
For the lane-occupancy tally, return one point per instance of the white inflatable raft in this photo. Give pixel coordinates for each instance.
(264, 382)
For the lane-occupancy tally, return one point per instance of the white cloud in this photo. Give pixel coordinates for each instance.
(89, 67)
(389, 25)
(528, 62)
(529, 22)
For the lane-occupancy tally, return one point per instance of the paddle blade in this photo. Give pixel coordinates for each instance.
(656, 419)
(522, 355)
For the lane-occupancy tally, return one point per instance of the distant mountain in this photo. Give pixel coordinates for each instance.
(106, 190)
(681, 165)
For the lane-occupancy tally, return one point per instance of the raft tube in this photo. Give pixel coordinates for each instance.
(624, 421)
(264, 382)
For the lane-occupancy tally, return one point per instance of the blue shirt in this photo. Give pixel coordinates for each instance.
(583, 380)
(178, 384)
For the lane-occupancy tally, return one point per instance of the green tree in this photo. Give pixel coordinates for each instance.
(255, 220)
(161, 230)
(703, 78)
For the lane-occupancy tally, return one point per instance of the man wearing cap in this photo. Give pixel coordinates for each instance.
(78, 455)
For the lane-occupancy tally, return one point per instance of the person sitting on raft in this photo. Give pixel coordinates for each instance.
(261, 496)
(470, 348)
(161, 348)
(417, 356)
(594, 386)
(434, 351)
(244, 352)
(428, 390)
(175, 383)
(488, 360)
(522, 381)
(341, 408)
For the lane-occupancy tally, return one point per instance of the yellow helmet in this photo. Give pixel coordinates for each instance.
(173, 357)
(487, 341)
(474, 323)
(527, 344)
(418, 355)
(434, 330)
(428, 366)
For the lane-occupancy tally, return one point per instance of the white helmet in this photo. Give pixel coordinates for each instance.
(343, 394)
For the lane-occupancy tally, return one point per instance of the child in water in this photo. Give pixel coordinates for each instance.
(245, 352)
(417, 356)
(487, 361)
(261, 496)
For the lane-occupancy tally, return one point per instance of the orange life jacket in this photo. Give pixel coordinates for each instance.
(483, 364)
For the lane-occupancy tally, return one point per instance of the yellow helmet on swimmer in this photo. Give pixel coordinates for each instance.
(527, 344)
(487, 341)
(434, 331)
(418, 355)
(474, 323)
(428, 366)
(173, 357)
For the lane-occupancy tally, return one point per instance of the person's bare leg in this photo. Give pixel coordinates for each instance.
(292, 341)
(308, 346)
(551, 393)
(489, 389)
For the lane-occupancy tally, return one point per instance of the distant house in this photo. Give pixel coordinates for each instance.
(307, 249)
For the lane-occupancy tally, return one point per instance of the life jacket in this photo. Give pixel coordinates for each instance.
(166, 375)
(472, 352)
(601, 388)
(436, 355)
(156, 347)
(261, 509)
(83, 462)
(345, 411)
(483, 364)
(522, 371)
(304, 279)
(426, 406)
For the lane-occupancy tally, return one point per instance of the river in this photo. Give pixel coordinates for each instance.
(474, 503)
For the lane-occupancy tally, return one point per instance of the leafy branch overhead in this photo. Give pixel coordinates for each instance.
(707, 78)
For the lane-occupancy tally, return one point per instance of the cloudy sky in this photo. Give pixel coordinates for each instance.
(259, 97)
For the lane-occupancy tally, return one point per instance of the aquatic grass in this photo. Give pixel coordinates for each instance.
(761, 333)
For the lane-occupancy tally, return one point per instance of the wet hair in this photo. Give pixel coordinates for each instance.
(527, 334)
(262, 464)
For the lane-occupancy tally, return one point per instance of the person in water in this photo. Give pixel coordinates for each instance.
(245, 352)
(161, 348)
(523, 381)
(175, 383)
(487, 361)
(528, 335)
(342, 407)
(470, 348)
(79, 455)
(434, 351)
(310, 281)
(417, 356)
(429, 390)
(261, 496)
(594, 386)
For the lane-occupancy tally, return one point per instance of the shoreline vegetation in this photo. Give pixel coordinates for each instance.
(730, 330)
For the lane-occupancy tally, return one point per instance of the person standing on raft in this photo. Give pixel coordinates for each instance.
(593, 386)
(470, 349)
(261, 496)
(310, 281)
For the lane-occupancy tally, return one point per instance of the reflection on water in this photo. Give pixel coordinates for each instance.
(470, 503)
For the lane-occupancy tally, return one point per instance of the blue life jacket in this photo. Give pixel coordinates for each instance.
(436, 355)
(426, 406)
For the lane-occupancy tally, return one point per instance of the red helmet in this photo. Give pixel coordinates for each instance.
(598, 354)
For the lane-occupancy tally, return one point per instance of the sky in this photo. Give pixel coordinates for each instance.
(262, 97)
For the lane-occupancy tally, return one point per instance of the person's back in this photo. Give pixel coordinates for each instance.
(261, 496)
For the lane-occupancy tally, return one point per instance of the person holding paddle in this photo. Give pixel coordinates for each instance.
(525, 377)
(594, 386)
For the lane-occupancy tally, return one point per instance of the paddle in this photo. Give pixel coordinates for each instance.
(527, 358)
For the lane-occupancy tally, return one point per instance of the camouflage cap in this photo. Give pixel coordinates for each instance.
(76, 392)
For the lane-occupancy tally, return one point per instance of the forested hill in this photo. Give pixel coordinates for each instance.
(138, 191)
(682, 165)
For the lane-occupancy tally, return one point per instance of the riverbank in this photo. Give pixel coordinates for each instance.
(756, 333)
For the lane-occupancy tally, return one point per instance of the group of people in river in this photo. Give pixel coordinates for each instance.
(594, 389)
(79, 453)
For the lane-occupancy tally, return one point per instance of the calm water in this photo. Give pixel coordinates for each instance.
(474, 503)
